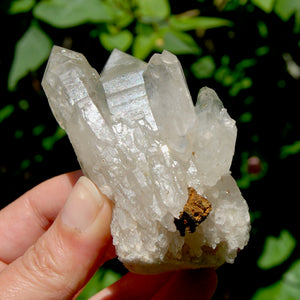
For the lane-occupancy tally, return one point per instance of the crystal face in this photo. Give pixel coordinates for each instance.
(159, 158)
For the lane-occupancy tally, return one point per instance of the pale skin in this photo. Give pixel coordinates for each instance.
(51, 245)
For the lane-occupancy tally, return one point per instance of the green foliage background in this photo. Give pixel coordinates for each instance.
(247, 50)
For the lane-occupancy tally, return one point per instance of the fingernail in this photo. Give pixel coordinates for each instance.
(83, 205)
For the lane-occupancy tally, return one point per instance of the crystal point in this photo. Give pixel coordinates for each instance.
(167, 89)
(138, 136)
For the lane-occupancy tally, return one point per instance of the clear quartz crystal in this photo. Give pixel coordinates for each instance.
(138, 136)
(171, 102)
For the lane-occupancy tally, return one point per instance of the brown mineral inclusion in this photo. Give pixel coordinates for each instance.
(195, 211)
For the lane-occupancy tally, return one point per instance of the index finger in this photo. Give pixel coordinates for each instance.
(23, 221)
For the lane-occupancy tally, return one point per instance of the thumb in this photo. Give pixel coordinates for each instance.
(66, 256)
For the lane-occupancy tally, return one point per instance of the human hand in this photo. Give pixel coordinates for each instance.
(54, 237)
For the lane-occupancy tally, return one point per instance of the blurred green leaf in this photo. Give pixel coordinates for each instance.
(292, 276)
(276, 250)
(144, 29)
(265, 5)
(262, 50)
(188, 23)
(288, 288)
(19, 134)
(122, 12)
(225, 60)
(20, 6)
(6, 111)
(153, 10)
(224, 75)
(49, 142)
(101, 279)
(276, 291)
(242, 84)
(245, 63)
(263, 29)
(286, 8)
(288, 150)
(31, 51)
(37, 130)
(25, 164)
(144, 41)
(65, 13)
(245, 117)
(143, 45)
(121, 40)
(204, 67)
(254, 215)
(179, 43)
(234, 4)
(38, 158)
(236, 78)
(23, 104)
(123, 19)
(271, 292)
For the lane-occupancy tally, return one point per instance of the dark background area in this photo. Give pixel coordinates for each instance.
(266, 111)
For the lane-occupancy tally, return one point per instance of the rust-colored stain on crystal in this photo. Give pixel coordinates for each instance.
(195, 211)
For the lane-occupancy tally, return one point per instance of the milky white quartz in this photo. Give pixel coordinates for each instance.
(139, 137)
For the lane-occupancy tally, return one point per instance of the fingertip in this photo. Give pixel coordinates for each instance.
(134, 286)
(64, 258)
(83, 205)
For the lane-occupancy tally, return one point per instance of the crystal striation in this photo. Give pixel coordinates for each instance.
(164, 162)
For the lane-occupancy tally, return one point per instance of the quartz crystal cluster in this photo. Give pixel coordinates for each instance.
(164, 162)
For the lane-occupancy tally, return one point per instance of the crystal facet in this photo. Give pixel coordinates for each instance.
(138, 136)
